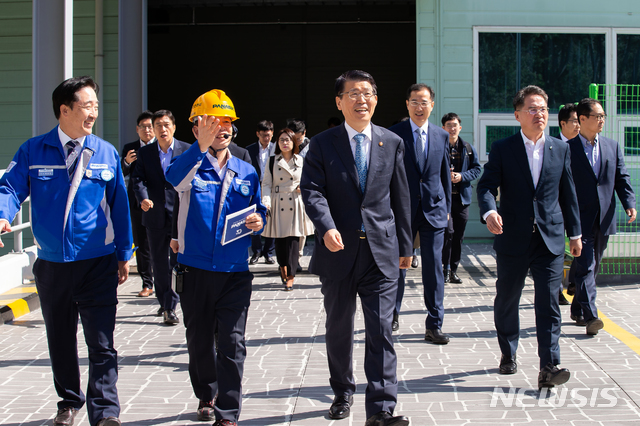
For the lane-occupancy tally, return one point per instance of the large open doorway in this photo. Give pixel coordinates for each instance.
(278, 60)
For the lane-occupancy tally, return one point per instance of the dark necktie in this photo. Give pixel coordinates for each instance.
(72, 157)
(420, 140)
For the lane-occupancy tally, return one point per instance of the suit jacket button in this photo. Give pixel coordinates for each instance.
(280, 178)
(535, 198)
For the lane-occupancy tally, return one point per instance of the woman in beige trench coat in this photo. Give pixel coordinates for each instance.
(286, 219)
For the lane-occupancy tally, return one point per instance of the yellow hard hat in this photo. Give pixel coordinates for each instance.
(215, 102)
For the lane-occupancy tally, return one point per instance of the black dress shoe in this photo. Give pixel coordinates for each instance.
(414, 261)
(160, 311)
(170, 317)
(436, 336)
(65, 416)
(593, 325)
(445, 272)
(110, 421)
(571, 289)
(551, 376)
(341, 407)
(454, 278)
(254, 258)
(508, 364)
(395, 324)
(579, 320)
(384, 418)
(269, 260)
(563, 300)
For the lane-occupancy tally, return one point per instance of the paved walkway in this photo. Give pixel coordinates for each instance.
(286, 375)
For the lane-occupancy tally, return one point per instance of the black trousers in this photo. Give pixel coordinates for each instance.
(454, 234)
(164, 259)
(546, 269)
(143, 253)
(217, 302)
(377, 296)
(265, 250)
(288, 253)
(88, 289)
(587, 266)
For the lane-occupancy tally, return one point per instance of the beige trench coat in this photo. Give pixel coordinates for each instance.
(287, 217)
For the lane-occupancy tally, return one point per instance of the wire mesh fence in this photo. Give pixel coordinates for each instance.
(621, 102)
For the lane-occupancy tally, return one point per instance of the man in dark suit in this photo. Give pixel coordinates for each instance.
(144, 129)
(537, 202)
(465, 168)
(260, 152)
(426, 162)
(157, 197)
(599, 173)
(355, 192)
(569, 129)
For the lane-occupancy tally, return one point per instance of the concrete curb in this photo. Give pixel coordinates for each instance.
(19, 307)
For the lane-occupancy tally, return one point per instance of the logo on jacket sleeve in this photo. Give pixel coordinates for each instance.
(106, 175)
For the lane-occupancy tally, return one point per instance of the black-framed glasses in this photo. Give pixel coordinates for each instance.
(599, 117)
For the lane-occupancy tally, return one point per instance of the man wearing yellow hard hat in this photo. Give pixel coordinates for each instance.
(219, 207)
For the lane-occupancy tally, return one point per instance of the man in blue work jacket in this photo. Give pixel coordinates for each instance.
(80, 221)
(213, 185)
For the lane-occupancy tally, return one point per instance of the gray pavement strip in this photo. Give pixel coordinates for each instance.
(286, 375)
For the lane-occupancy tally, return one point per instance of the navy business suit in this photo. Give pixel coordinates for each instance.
(149, 183)
(256, 242)
(365, 267)
(552, 205)
(143, 255)
(596, 196)
(430, 193)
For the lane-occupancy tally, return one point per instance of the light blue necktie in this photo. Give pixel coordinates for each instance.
(361, 162)
(420, 145)
(361, 165)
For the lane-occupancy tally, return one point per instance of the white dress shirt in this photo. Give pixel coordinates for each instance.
(264, 154)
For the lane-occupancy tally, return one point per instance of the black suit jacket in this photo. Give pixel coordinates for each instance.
(432, 188)
(596, 194)
(127, 169)
(241, 153)
(333, 200)
(552, 203)
(469, 171)
(149, 183)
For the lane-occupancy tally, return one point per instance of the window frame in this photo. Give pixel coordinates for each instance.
(481, 120)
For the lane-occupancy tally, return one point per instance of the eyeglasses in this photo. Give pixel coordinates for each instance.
(572, 121)
(534, 111)
(355, 95)
(146, 127)
(599, 117)
(422, 104)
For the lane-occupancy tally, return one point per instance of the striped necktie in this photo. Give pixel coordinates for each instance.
(72, 157)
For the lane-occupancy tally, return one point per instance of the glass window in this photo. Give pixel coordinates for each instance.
(631, 141)
(562, 64)
(495, 133)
